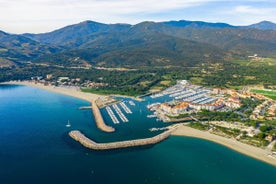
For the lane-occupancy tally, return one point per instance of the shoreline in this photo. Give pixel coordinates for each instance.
(69, 91)
(248, 150)
(74, 92)
(245, 149)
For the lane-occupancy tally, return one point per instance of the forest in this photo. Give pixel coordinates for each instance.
(145, 80)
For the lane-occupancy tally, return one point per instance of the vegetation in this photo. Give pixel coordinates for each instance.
(248, 105)
(198, 125)
(267, 93)
(219, 116)
(228, 131)
(145, 80)
(274, 147)
(180, 116)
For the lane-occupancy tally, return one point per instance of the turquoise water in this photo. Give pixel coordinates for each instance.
(35, 148)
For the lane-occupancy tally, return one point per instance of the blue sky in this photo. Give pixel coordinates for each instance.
(37, 16)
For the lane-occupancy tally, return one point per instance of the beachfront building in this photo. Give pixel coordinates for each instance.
(233, 101)
(171, 109)
(210, 107)
(186, 107)
(221, 91)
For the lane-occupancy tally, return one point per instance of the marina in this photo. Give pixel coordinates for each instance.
(112, 115)
(120, 113)
(152, 116)
(153, 105)
(126, 109)
(184, 151)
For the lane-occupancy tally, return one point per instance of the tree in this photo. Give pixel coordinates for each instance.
(264, 128)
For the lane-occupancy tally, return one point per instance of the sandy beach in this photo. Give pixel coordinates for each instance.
(245, 149)
(70, 91)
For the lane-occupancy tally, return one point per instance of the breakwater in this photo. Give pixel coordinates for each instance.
(99, 119)
(88, 143)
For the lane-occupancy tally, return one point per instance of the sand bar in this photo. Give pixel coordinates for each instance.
(252, 151)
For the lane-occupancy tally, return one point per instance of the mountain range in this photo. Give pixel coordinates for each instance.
(177, 43)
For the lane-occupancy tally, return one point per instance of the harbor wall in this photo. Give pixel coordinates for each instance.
(99, 119)
(88, 143)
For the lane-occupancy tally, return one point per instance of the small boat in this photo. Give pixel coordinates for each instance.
(68, 124)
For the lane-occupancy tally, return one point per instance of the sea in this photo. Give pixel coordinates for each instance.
(35, 147)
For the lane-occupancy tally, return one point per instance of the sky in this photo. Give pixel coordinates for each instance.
(39, 16)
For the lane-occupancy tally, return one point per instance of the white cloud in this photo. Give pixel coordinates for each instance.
(254, 10)
(46, 15)
(53, 14)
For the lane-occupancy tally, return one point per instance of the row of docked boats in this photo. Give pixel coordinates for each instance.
(126, 109)
(112, 115)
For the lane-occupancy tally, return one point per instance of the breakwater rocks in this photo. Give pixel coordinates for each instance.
(99, 119)
(88, 143)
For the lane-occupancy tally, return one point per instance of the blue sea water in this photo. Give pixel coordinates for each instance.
(35, 147)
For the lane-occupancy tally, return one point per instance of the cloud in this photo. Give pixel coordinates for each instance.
(57, 13)
(46, 15)
(254, 10)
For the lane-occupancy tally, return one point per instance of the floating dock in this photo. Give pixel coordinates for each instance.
(85, 108)
(120, 113)
(126, 109)
(112, 115)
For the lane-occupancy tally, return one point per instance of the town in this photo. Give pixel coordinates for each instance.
(242, 115)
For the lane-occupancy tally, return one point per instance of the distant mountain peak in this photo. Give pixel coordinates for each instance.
(2, 33)
(264, 25)
(89, 22)
(197, 24)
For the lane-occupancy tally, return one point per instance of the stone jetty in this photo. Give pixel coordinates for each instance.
(88, 143)
(99, 119)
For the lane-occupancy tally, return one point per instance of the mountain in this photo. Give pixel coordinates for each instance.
(178, 43)
(197, 24)
(19, 48)
(74, 32)
(238, 41)
(137, 48)
(264, 25)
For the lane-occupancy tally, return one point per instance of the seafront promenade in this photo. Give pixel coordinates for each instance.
(88, 143)
(99, 119)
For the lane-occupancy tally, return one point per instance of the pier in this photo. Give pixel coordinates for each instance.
(120, 113)
(85, 108)
(112, 115)
(88, 143)
(99, 119)
(126, 109)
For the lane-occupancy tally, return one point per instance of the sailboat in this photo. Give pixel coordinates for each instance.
(68, 124)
